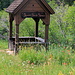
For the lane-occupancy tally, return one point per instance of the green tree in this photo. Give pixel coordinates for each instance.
(4, 4)
(69, 20)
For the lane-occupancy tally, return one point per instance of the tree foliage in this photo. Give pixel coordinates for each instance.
(4, 4)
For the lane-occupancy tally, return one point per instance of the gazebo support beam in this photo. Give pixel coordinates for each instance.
(46, 36)
(10, 26)
(36, 29)
(36, 26)
(16, 38)
(10, 36)
(10, 30)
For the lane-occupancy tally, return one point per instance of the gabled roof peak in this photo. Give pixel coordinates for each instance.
(17, 4)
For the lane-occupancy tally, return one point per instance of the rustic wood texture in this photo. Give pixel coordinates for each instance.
(36, 26)
(36, 29)
(15, 4)
(16, 38)
(18, 4)
(10, 29)
(46, 33)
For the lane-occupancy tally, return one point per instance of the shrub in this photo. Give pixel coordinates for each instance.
(3, 24)
(57, 30)
(33, 56)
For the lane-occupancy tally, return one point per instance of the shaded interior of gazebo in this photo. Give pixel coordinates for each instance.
(22, 9)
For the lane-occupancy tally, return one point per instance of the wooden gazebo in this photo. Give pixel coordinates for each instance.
(21, 9)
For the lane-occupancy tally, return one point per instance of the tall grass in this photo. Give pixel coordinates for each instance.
(32, 56)
(59, 60)
(60, 54)
(3, 44)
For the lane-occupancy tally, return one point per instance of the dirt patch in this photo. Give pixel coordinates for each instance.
(2, 50)
(8, 52)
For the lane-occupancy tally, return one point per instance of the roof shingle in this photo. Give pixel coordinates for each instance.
(14, 5)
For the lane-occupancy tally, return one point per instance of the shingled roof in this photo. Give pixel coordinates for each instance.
(17, 4)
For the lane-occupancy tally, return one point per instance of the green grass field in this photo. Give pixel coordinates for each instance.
(3, 44)
(59, 60)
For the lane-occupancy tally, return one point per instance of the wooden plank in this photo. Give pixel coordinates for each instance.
(32, 5)
(31, 42)
(40, 39)
(35, 38)
(33, 9)
(33, 14)
(24, 37)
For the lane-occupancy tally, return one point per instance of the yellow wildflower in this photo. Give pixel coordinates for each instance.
(60, 73)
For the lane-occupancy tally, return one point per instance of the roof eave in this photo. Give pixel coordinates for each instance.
(52, 12)
(48, 7)
(8, 11)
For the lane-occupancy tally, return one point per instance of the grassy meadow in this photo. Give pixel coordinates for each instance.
(3, 44)
(59, 60)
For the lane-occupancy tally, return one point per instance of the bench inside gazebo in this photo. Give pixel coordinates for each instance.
(22, 9)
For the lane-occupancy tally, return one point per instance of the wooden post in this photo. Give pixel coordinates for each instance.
(46, 36)
(10, 30)
(10, 26)
(36, 29)
(36, 26)
(16, 38)
(10, 45)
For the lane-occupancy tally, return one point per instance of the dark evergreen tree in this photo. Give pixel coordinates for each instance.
(4, 4)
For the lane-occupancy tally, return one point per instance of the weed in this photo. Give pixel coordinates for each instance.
(33, 56)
